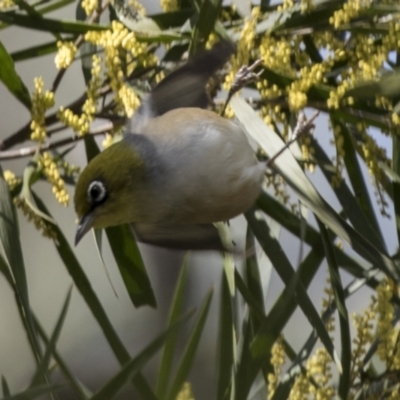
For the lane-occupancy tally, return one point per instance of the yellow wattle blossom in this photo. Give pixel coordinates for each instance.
(186, 392)
(351, 9)
(41, 101)
(306, 6)
(278, 358)
(79, 123)
(115, 41)
(364, 337)
(169, 5)
(43, 226)
(89, 6)
(4, 4)
(65, 55)
(297, 100)
(52, 173)
(11, 179)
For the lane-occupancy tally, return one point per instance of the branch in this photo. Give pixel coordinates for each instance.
(29, 151)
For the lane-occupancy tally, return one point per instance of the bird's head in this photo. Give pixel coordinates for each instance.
(105, 191)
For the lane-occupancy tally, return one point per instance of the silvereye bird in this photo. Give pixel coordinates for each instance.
(182, 169)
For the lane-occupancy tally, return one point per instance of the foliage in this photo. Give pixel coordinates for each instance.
(340, 58)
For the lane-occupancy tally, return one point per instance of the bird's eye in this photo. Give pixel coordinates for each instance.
(96, 192)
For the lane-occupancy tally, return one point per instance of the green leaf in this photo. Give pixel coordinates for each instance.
(207, 17)
(33, 13)
(11, 250)
(253, 277)
(388, 85)
(82, 392)
(227, 343)
(164, 371)
(6, 389)
(358, 210)
(129, 260)
(31, 173)
(248, 368)
(5, 270)
(173, 19)
(336, 282)
(44, 362)
(49, 25)
(396, 185)
(34, 51)
(54, 6)
(85, 289)
(114, 385)
(190, 350)
(31, 394)
(11, 79)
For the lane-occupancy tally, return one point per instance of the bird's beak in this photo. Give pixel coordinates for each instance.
(85, 224)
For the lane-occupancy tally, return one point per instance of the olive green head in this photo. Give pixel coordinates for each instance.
(105, 189)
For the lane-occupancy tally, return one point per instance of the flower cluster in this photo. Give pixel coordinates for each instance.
(43, 226)
(278, 358)
(89, 6)
(4, 4)
(246, 42)
(65, 55)
(117, 42)
(52, 173)
(81, 123)
(351, 9)
(169, 5)
(41, 101)
(11, 179)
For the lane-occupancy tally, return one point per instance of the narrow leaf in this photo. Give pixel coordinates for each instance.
(34, 51)
(5, 387)
(164, 371)
(336, 282)
(114, 385)
(10, 78)
(190, 350)
(82, 392)
(11, 250)
(44, 363)
(227, 343)
(48, 24)
(31, 394)
(129, 260)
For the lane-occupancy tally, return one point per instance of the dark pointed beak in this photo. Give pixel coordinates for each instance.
(85, 224)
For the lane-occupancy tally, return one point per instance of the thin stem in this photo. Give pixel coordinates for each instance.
(29, 151)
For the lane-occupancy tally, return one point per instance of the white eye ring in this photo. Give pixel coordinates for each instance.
(96, 192)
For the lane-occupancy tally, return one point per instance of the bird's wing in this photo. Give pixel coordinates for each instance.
(182, 237)
(185, 87)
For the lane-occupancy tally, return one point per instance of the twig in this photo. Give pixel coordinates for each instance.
(28, 151)
(303, 126)
(244, 76)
